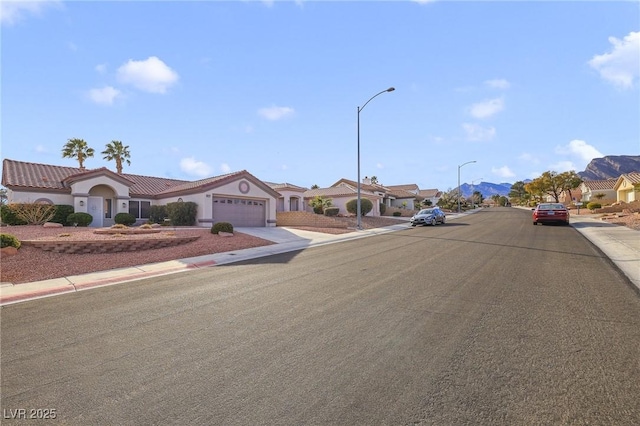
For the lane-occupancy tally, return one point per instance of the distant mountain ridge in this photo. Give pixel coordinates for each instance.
(611, 167)
(487, 189)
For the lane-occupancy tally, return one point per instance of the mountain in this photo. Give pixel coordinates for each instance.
(611, 167)
(487, 189)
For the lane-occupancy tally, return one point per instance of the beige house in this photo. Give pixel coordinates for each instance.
(340, 195)
(291, 197)
(239, 198)
(590, 188)
(627, 187)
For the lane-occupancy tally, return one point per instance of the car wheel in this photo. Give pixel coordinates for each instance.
(434, 222)
(444, 220)
(535, 223)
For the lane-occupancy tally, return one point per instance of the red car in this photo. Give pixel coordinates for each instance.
(550, 213)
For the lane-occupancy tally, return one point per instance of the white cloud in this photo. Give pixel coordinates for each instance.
(101, 68)
(379, 166)
(40, 149)
(72, 46)
(579, 149)
(503, 172)
(620, 65)
(275, 112)
(225, 168)
(476, 132)
(190, 166)
(487, 108)
(562, 166)
(11, 12)
(151, 75)
(104, 96)
(529, 158)
(498, 84)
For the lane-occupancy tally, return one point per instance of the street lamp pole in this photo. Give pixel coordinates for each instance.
(459, 194)
(359, 206)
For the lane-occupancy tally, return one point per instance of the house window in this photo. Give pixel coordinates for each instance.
(140, 209)
(107, 208)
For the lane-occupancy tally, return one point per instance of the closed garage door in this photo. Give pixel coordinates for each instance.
(239, 212)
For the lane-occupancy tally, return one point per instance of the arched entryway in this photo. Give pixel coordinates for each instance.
(101, 204)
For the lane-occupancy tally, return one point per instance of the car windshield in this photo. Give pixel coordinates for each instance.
(551, 207)
(426, 211)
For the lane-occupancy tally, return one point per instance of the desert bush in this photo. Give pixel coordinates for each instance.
(222, 227)
(331, 211)
(33, 213)
(319, 203)
(157, 214)
(182, 213)
(61, 213)
(383, 208)
(119, 226)
(593, 205)
(124, 219)
(397, 214)
(8, 216)
(8, 240)
(79, 219)
(365, 206)
(146, 226)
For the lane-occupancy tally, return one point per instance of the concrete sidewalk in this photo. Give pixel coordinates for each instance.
(620, 244)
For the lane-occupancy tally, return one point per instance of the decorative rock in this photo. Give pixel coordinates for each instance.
(52, 225)
(225, 234)
(8, 251)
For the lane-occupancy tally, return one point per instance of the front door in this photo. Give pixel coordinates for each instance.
(95, 208)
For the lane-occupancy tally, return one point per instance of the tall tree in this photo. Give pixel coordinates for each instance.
(571, 180)
(77, 148)
(118, 152)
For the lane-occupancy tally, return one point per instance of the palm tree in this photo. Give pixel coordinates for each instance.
(116, 151)
(77, 148)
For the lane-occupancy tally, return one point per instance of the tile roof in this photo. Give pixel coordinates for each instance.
(430, 193)
(633, 177)
(363, 186)
(285, 185)
(18, 174)
(600, 185)
(337, 191)
(407, 187)
(402, 193)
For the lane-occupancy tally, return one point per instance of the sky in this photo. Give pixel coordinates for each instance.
(203, 88)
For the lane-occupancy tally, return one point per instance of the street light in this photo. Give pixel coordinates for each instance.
(359, 206)
(459, 194)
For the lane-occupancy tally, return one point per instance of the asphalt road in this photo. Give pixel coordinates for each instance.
(487, 320)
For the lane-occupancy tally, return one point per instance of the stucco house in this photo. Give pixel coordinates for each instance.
(340, 195)
(627, 187)
(433, 195)
(589, 188)
(291, 197)
(239, 197)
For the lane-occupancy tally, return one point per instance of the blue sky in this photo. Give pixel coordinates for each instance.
(198, 89)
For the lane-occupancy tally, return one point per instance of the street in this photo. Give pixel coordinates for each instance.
(484, 320)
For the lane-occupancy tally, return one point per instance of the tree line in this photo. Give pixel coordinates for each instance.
(114, 151)
(550, 183)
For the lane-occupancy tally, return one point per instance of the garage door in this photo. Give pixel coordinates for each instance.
(239, 212)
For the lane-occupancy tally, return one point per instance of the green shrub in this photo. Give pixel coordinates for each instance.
(124, 219)
(157, 214)
(593, 205)
(331, 211)
(397, 214)
(222, 227)
(62, 212)
(79, 219)
(383, 208)
(8, 216)
(8, 240)
(182, 213)
(365, 206)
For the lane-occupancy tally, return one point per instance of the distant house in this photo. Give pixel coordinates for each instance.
(341, 194)
(432, 195)
(590, 188)
(239, 198)
(291, 197)
(627, 187)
